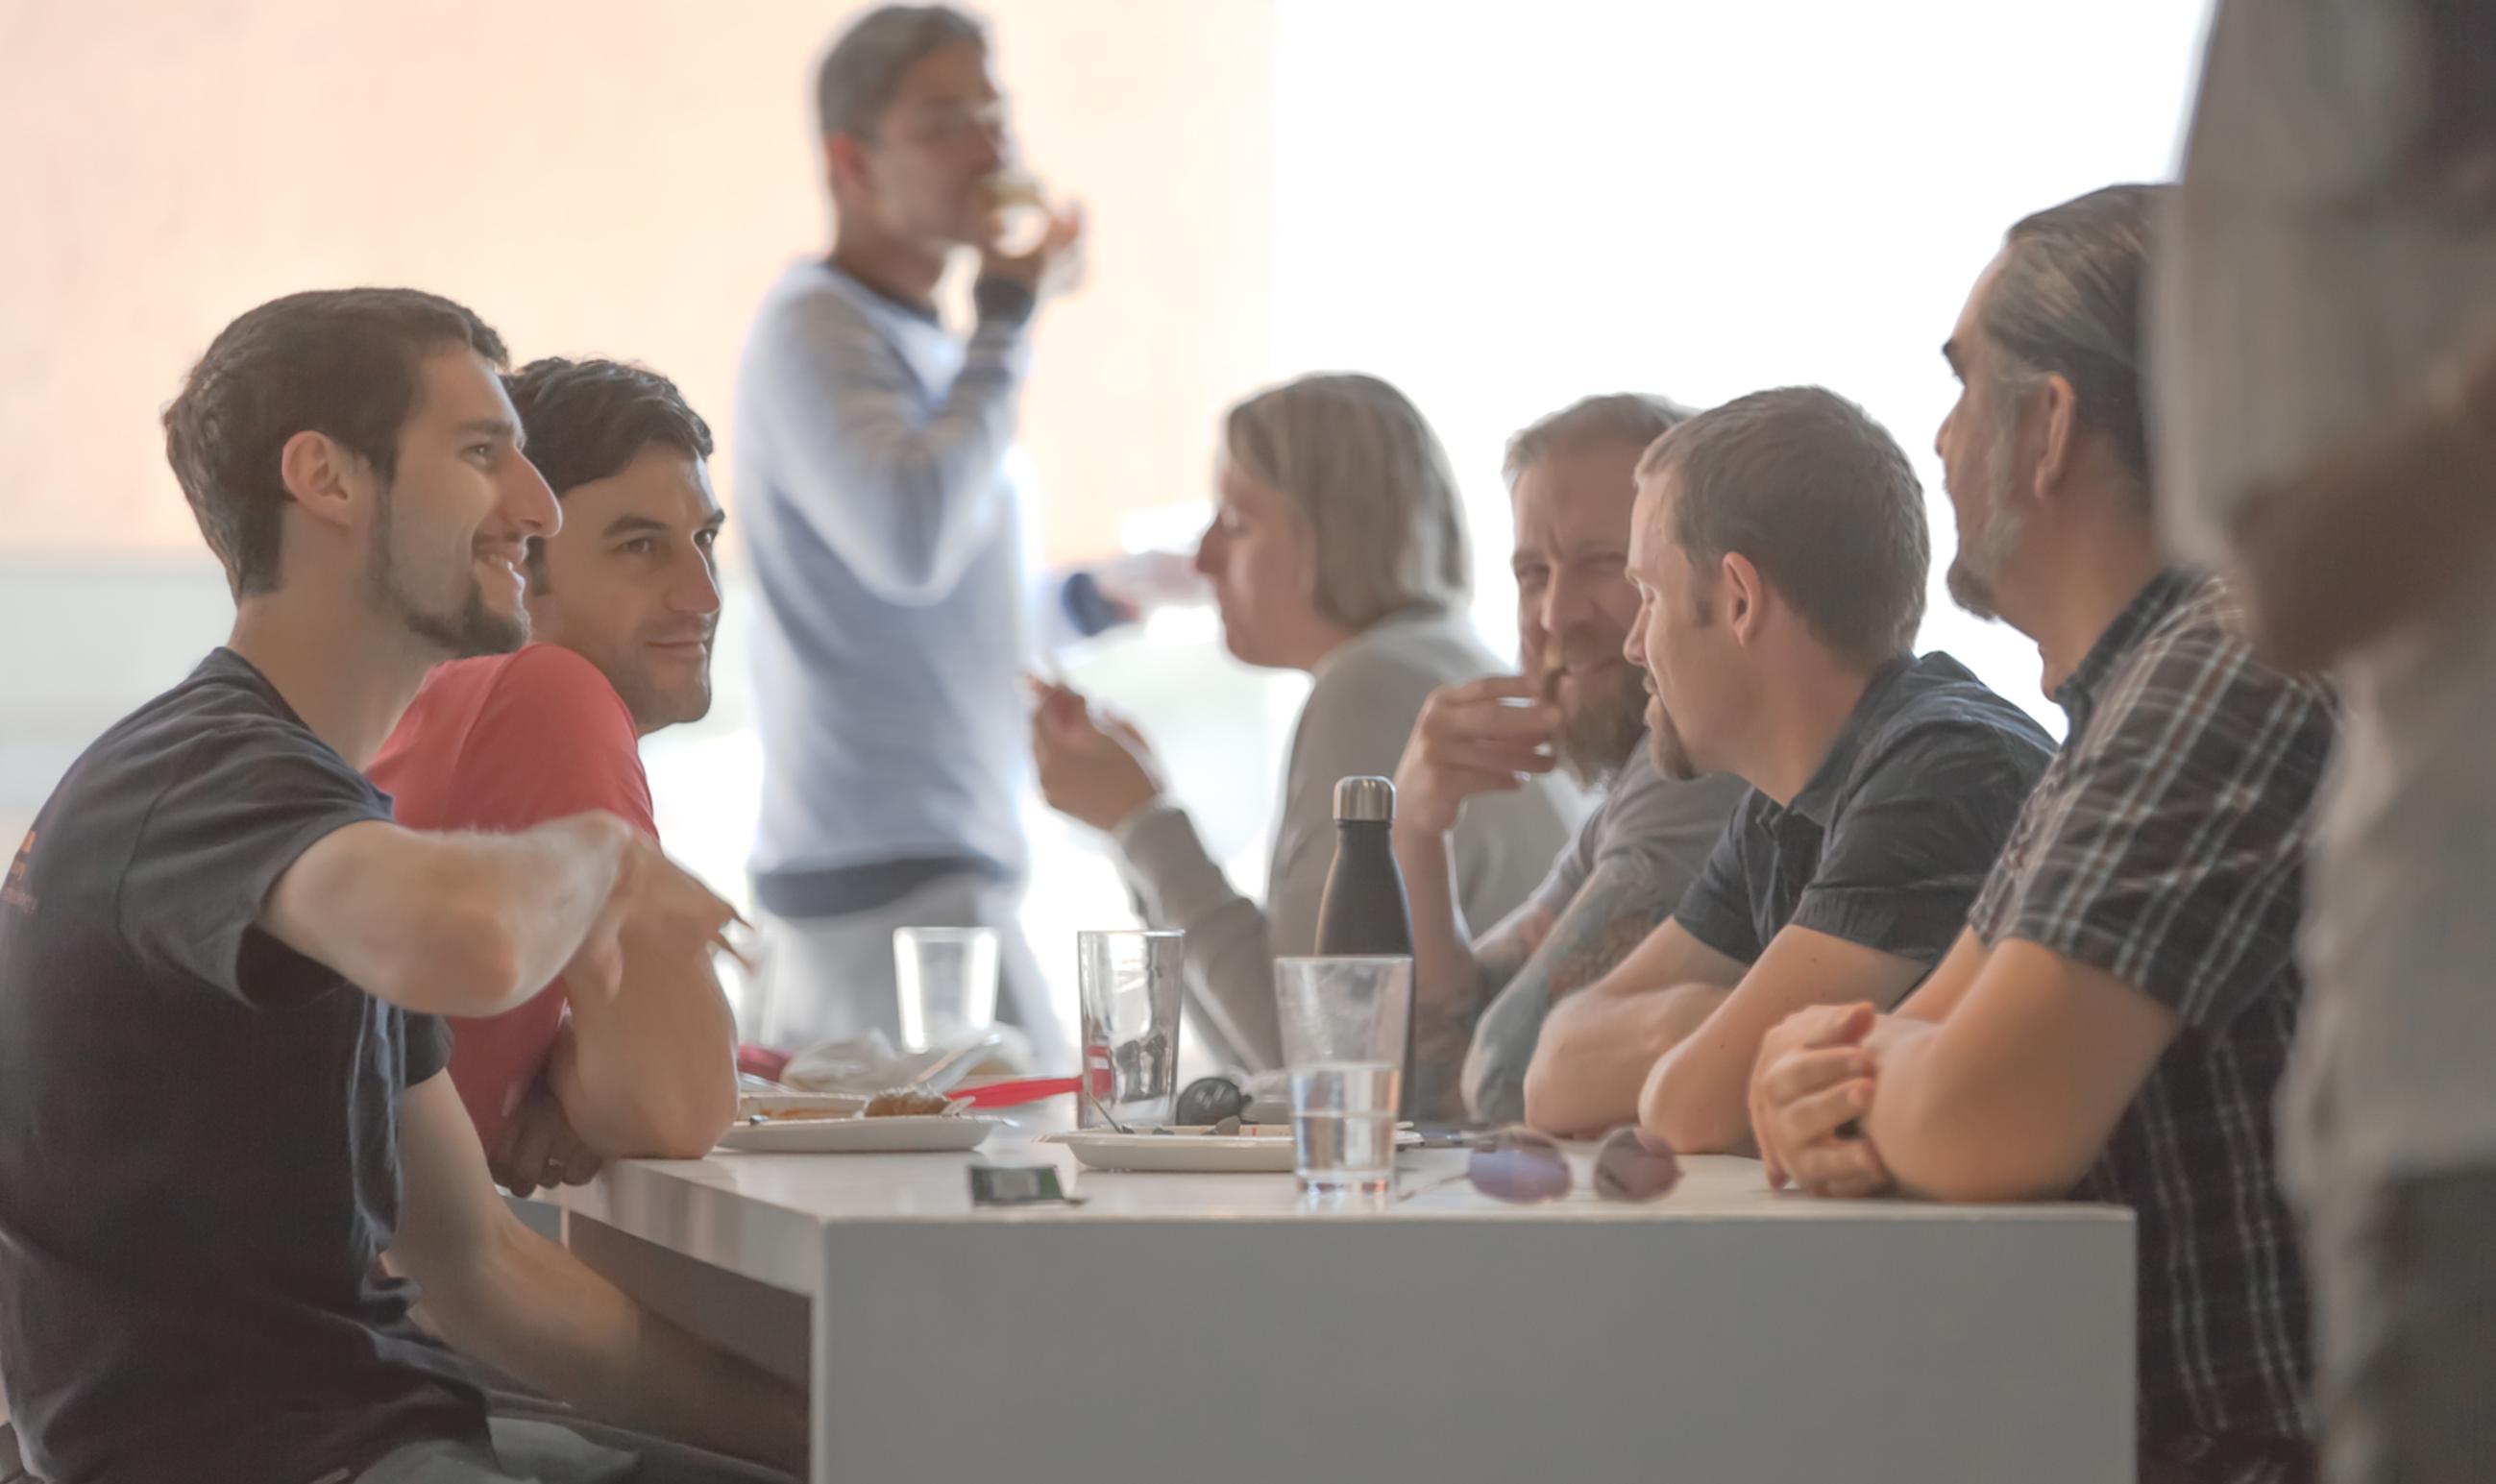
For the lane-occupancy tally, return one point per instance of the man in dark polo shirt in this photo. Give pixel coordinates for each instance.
(236, 1182)
(1780, 553)
(2115, 1021)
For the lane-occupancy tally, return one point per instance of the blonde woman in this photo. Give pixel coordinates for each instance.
(1338, 548)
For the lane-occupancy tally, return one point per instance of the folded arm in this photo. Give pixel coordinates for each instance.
(652, 1072)
(494, 1289)
(1813, 1080)
(2015, 1093)
(1698, 1096)
(1598, 1046)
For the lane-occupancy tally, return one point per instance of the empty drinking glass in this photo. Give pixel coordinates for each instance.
(1128, 983)
(948, 981)
(1343, 1041)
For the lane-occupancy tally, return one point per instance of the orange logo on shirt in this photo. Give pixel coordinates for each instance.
(15, 893)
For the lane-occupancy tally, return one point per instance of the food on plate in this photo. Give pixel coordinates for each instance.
(1227, 1128)
(906, 1103)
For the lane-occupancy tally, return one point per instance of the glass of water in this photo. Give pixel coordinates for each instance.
(1343, 1041)
(948, 981)
(1128, 983)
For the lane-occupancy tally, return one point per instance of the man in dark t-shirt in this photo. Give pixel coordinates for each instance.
(1780, 553)
(231, 1163)
(199, 1160)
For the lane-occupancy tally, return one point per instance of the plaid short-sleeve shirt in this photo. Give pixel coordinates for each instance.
(2165, 846)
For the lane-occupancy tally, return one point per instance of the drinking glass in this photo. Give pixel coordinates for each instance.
(1343, 1042)
(948, 981)
(1128, 986)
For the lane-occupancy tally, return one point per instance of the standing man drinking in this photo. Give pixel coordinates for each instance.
(878, 473)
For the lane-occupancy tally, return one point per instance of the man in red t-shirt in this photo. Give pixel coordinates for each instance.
(622, 600)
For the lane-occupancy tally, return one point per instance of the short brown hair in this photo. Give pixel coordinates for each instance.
(861, 70)
(338, 361)
(586, 419)
(1632, 418)
(1821, 501)
(1368, 476)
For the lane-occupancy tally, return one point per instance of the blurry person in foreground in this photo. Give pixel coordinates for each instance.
(2325, 323)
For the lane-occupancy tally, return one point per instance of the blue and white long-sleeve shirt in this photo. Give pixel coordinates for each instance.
(885, 510)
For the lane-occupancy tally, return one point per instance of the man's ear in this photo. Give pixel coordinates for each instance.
(325, 479)
(846, 166)
(2058, 433)
(1740, 598)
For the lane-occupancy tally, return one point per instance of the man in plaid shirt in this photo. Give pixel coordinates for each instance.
(2115, 1020)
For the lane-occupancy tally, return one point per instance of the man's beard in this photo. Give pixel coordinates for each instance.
(1975, 571)
(1598, 732)
(473, 629)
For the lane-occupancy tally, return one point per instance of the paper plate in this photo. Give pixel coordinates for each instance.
(921, 1134)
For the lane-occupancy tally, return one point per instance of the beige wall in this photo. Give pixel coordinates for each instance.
(616, 176)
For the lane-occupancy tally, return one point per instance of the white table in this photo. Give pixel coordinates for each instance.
(1203, 1328)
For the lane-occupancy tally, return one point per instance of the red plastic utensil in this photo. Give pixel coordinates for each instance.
(1022, 1090)
(761, 1061)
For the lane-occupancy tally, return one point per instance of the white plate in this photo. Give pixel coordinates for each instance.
(914, 1134)
(750, 1103)
(1263, 1149)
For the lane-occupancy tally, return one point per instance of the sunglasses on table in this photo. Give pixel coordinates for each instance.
(1523, 1167)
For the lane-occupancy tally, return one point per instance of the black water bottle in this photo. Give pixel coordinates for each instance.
(1364, 910)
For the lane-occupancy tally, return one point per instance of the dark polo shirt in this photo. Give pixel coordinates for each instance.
(1891, 840)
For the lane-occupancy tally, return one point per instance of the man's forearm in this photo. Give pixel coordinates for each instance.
(449, 924)
(2377, 530)
(652, 1073)
(1697, 1096)
(1447, 980)
(550, 885)
(1924, 1157)
(538, 1313)
(1594, 1059)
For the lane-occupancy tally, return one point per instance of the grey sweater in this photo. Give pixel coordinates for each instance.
(1360, 713)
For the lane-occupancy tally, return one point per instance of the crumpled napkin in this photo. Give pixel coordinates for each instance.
(868, 1064)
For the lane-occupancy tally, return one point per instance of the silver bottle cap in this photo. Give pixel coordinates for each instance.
(1365, 799)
